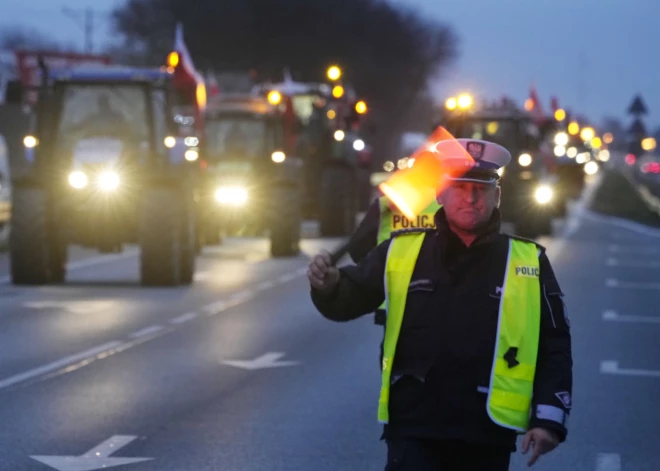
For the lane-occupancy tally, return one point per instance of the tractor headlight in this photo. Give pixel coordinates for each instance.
(234, 196)
(525, 160)
(543, 194)
(108, 181)
(78, 180)
(591, 168)
(191, 155)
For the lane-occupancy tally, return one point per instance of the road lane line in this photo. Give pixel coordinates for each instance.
(50, 367)
(608, 462)
(215, 308)
(264, 285)
(241, 297)
(614, 283)
(287, 277)
(612, 367)
(632, 249)
(615, 317)
(73, 363)
(183, 318)
(614, 262)
(152, 329)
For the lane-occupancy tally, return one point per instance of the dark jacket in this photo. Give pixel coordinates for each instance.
(445, 350)
(365, 237)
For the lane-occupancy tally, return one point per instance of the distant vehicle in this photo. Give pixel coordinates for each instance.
(252, 183)
(324, 127)
(530, 196)
(104, 173)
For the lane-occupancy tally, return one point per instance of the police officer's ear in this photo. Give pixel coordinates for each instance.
(498, 196)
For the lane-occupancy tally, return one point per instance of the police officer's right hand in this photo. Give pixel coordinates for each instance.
(323, 275)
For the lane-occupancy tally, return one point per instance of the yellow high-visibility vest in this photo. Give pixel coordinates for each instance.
(391, 219)
(516, 347)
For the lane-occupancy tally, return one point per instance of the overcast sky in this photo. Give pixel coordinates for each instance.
(594, 55)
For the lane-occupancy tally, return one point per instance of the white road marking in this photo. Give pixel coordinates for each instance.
(152, 329)
(623, 223)
(615, 317)
(264, 285)
(103, 351)
(74, 306)
(183, 318)
(287, 277)
(50, 367)
(612, 367)
(215, 308)
(614, 262)
(608, 462)
(96, 458)
(614, 283)
(241, 297)
(268, 360)
(627, 249)
(87, 262)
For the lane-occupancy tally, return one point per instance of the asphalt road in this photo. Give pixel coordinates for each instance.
(239, 372)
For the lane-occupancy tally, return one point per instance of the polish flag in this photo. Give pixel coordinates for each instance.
(185, 73)
(534, 107)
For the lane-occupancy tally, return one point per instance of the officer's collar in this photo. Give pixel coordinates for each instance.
(490, 229)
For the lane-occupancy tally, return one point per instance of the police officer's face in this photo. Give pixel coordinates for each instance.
(469, 205)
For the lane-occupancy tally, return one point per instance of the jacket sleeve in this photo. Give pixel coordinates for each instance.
(360, 290)
(365, 236)
(553, 384)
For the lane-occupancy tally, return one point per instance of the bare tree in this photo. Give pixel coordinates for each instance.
(388, 54)
(25, 38)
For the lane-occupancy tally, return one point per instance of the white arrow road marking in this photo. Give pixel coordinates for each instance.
(612, 367)
(96, 458)
(616, 317)
(269, 360)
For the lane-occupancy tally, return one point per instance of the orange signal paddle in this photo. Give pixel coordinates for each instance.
(412, 189)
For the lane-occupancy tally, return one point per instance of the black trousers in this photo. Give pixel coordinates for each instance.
(405, 454)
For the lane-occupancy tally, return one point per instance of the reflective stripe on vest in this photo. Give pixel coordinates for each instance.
(391, 220)
(511, 388)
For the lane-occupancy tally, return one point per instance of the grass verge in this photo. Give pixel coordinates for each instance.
(617, 197)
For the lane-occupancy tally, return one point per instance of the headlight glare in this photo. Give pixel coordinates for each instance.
(78, 180)
(543, 194)
(234, 196)
(108, 181)
(525, 160)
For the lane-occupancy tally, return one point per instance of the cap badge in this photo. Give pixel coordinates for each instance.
(476, 150)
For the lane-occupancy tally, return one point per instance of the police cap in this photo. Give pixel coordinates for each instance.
(486, 159)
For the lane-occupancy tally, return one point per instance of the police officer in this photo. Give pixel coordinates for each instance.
(477, 345)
